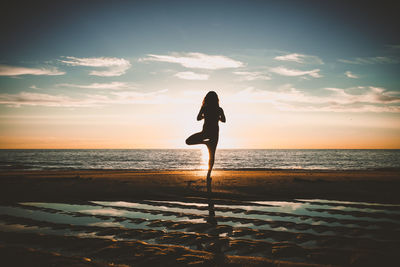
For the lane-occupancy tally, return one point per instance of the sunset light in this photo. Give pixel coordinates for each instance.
(199, 133)
(142, 86)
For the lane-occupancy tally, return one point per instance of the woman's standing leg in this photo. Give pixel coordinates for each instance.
(201, 138)
(212, 147)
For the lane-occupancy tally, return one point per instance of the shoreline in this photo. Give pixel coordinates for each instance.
(204, 169)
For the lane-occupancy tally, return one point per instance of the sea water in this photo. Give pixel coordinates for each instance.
(196, 159)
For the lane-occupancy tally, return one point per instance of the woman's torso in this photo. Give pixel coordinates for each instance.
(211, 118)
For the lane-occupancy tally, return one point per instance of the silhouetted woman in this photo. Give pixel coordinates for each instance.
(212, 113)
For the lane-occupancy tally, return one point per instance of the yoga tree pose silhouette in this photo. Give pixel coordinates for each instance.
(212, 113)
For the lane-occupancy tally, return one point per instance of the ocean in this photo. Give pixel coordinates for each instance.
(196, 159)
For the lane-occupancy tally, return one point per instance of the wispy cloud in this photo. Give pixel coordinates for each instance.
(349, 74)
(196, 60)
(100, 86)
(38, 99)
(370, 60)
(131, 97)
(293, 72)
(252, 75)
(367, 99)
(6, 70)
(300, 58)
(88, 100)
(188, 75)
(370, 95)
(115, 66)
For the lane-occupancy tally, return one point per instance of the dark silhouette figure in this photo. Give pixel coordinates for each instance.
(212, 113)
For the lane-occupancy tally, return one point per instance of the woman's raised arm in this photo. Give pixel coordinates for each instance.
(200, 116)
(222, 115)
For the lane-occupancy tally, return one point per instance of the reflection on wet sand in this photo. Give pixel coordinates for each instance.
(216, 246)
(294, 230)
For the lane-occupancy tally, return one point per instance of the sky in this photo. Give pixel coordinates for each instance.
(133, 74)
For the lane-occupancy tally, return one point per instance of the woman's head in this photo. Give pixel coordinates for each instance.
(211, 99)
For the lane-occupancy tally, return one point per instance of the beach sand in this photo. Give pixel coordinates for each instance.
(192, 243)
(370, 186)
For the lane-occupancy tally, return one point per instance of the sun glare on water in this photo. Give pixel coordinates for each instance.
(204, 158)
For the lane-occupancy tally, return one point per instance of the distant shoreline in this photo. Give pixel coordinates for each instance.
(2, 149)
(215, 169)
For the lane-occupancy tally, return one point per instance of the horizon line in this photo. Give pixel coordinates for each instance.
(200, 148)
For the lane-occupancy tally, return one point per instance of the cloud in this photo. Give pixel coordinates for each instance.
(100, 86)
(349, 74)
(287, 98)
(292, 72)
(371, 95)
(357, 99)
(196, 60)
(188, 75)
(252, 95)
(251, 76)
(370, 60)
(115, 66)
(89, 100)
(131, 97)
(300, 58)
(6, 70)
(38, 99)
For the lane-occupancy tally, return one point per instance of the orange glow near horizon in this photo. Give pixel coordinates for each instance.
(273, 141)
(167, 127)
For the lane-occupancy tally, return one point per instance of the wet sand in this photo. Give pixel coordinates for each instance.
(377, 185)
(243, 233)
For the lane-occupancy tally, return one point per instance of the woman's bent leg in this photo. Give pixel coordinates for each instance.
(195, 139)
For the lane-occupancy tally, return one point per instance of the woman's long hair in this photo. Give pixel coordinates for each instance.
(211, 100)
